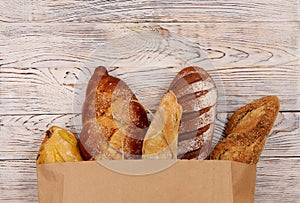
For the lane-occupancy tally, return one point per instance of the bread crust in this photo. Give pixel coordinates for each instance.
(197, 94)
(247, 131)
(114, 122)
(162, 136)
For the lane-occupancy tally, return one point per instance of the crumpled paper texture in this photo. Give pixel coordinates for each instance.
(185, 181)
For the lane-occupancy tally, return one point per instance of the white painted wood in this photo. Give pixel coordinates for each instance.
(51, 90)
(277, 180)
(18, 181)
(74, 44)
(148, 11)
(45, 46)
(248, 67)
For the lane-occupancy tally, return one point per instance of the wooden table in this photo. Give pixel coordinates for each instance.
(44, 45)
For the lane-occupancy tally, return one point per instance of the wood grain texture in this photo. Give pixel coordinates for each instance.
(45, 47)
(48, 90)
(273, 175)
(148, 11)
(18, 181)
(59, 55)
(277, 180)
(74, 45)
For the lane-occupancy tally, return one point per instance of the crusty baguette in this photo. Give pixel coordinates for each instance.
(161, 138)
(114, 123)
(197, 94)
(247, 131)
(258, 116)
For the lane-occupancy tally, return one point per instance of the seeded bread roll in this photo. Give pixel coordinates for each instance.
(247, 131)
(197, 94)
(114, 123)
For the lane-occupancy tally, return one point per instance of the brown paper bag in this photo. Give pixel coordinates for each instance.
(185, 181)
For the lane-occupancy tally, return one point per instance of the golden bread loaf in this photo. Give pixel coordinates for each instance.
(247, 131)
(161, 138)
(114, 122)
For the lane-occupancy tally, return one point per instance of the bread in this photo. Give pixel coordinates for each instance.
(247, 131)
(59, 145)
(197, 94)
(161, 138)
(114, 122)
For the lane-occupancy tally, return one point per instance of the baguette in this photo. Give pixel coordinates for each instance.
(162, 136)
(247, 131)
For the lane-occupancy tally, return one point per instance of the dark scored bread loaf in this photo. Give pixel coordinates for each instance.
(247, 131)
(114, 123)
(197, 94)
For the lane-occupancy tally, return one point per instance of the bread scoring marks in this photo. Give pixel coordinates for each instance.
(197, 93)
(198, 100)
(197, 122)
(194, 87)
(196, 142)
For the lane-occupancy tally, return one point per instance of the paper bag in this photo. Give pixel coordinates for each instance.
(184, 181)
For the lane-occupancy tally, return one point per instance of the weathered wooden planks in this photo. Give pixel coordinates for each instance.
(51, 90)
(74, 45)
(44, 46)
(236, 51)
(18, 181)
(280, 185)
(148, 11)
